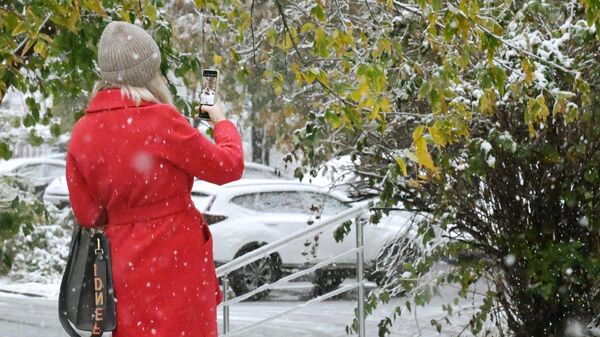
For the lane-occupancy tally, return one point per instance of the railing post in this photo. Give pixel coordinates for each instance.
(226, 306)
(360, 262)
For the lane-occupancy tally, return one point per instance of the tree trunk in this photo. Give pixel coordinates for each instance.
(257, 144)
(266, 146)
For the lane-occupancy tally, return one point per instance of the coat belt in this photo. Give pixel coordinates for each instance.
(175, 204)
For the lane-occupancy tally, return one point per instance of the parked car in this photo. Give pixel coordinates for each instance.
(57, 192)
(39, 171)
(248, 214)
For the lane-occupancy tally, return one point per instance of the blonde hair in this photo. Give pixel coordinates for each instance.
(156, 91)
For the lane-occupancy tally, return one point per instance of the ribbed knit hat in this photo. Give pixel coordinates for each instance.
(127, 55)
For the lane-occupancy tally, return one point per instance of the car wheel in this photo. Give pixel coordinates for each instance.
(255, 274)
(327, 280)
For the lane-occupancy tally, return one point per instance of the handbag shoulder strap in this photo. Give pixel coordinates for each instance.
(100, 288)
(62, 297)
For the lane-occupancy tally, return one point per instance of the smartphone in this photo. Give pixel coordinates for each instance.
(208, 93)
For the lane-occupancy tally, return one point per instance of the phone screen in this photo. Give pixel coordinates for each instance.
(209, 87)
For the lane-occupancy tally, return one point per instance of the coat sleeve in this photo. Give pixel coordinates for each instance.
(218, 163)
(88, 212)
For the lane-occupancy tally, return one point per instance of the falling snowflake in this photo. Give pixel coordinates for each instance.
(509, 260)
(142, 162)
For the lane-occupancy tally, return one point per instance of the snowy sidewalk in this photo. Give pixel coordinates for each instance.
(30, 289)
(25, 316)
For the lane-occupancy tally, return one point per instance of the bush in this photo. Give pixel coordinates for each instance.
(40, 254)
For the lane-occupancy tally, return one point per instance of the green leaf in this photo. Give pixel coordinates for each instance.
(342, 231)
(320, 45)
(499, 79)
(5, 152)
(319, 12)
(272, 36)
(55, 130)
(34, 139)
(333, 119)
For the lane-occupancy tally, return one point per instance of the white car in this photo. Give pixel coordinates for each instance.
(246, 214)
(57, 192)
(40, 171)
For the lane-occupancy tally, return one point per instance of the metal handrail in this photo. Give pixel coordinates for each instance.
(269, 286)
(272, 247)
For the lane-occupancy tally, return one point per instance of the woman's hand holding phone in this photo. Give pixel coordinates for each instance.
(214, 111)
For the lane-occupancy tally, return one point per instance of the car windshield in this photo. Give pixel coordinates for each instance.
(54, 170)
(297, 202)
(32, 171)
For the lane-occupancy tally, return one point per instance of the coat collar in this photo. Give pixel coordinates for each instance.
(111, 99)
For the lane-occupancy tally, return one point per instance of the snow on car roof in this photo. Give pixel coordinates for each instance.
(13, 163)
(276, 183)
(258, 166)
(247, 182)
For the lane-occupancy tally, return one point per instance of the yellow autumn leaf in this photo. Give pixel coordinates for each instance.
(422, 153)
(438, 133)
(21, 28)
(95, 6)
(560, 106)
(307, 27)
(528, 70)
(217, 59)
(487, 102)
(401, 165)
(296, 71)
(543, 109)
(41, 48)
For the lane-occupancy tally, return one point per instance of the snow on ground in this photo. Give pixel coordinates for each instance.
(29, 315)
(329, 318)
(35, 289)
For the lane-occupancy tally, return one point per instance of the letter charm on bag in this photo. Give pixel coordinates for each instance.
(86, 299)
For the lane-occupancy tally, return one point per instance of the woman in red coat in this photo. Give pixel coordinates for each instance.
(131, 163)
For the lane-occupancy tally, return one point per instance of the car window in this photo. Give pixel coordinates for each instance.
(298, 202)
(331, 205)
(54, 170)
(32, 171)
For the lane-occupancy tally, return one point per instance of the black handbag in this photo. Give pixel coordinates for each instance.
(87, 298)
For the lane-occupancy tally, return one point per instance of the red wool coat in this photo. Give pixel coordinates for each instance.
(134, 166)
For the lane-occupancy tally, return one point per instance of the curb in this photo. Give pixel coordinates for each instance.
(20, 293)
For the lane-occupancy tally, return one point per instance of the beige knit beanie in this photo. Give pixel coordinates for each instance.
(127, 55)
